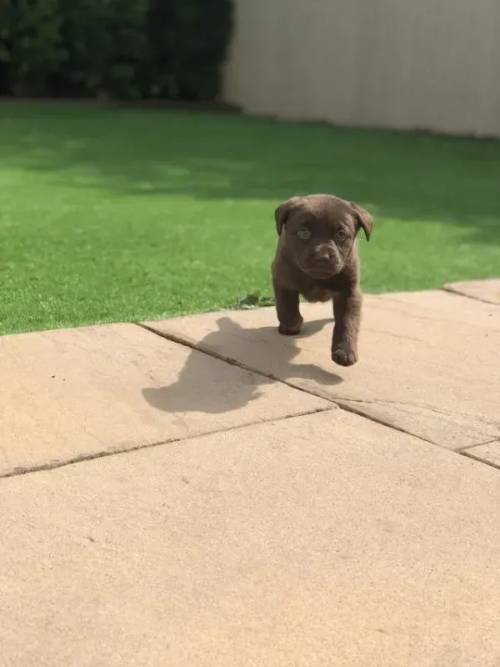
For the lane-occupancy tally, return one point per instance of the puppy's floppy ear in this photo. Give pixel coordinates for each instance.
(363, 219)
(283, 211)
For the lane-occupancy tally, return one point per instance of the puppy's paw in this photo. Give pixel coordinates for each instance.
(344, 355)
(287, 330)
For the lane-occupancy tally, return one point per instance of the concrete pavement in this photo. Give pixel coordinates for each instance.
(429, 361)
(75, 394)
(199, 492)
(484, 290)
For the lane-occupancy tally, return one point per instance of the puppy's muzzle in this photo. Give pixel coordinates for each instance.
(324, 261)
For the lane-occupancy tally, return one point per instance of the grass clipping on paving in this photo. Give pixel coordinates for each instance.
(114, 214)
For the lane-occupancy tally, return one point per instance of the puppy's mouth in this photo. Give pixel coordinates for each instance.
(321, 272)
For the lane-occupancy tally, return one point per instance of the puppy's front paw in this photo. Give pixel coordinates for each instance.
(291, 330)
(344, 355)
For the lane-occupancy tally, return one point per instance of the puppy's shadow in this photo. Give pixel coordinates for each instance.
(206, 384)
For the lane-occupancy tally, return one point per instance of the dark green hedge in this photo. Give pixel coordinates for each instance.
(114, 48)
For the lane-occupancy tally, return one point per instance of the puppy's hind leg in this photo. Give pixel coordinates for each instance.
(287, 308)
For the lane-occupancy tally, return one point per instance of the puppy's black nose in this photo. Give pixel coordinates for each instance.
(323, 255)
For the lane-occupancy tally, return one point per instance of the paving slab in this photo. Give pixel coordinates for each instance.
(453, 308)
(484, 290)
(319, 540)
(488, 453)
(428, 365)
(75, 393)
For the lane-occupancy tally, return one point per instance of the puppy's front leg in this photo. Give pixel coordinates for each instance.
(347, 312)
(287, 307)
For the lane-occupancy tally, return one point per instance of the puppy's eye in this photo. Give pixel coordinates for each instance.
(340, 235)
(304, 234)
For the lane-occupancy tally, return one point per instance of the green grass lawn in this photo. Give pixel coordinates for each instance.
(118, 214)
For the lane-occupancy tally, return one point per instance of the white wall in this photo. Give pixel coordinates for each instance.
(426, 64)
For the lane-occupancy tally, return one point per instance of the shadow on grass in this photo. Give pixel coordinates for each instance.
(197, 390)
(408, 177)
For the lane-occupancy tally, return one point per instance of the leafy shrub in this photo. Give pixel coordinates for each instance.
(104, 41)
(117, 48)
(188, 41)
(30, 45)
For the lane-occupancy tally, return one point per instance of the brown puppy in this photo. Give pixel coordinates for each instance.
(317, 257)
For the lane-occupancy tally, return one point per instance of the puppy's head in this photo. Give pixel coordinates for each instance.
(319, 232)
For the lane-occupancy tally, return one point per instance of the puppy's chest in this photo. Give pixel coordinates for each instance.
(318, 293)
